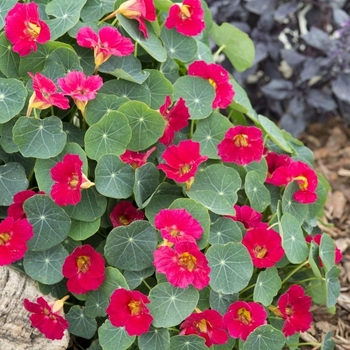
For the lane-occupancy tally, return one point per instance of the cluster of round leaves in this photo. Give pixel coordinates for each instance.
(113, 137)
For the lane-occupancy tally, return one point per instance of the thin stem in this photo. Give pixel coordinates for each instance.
(249, 287)
(295, 271)
(173, 329)
(310, 343)
(135, 50)
(146, 284)
(52, 111)
(217, 53)
(192, 127)
(35, 114)
(311, 279)
(273, 225)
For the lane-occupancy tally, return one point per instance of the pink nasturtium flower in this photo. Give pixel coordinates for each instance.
(80, 87)
(136, 159)
(176, 118)
(47, 317)
(264, 246)
(85, 270)
(45, 94)
(218, 77)
(124, 213)
(69, 180)
(242, 318)
(246, 215)
(127, 308)
(208, 325)
(242, 145)
(187, 17)
(178, 225)
(274, 161)
(140, 10)
(183, 265)
(303, 175)
(317, 239)
(14, 235)
(24, 28)
(182, 161)
(106, 43)
(294, 307)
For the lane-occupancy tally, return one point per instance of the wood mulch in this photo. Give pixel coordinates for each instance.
(331, 145)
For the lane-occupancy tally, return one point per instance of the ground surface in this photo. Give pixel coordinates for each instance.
(331, 145)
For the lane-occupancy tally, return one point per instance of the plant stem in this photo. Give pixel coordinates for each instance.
(217, 53)
(146, 284)
(192, 128)
(295, 271)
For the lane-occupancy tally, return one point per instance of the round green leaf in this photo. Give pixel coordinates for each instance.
(147, 125)
(74, 134)
(216, 188)
(328, 343)
(109, 336)
(109, 136)
(231, 267)
(203, 53)
(102, 105)
(114, 280)
(69, 244)
(257, 193)
(96, 304)
(45, 266)
(289, 205)
(135, 278)
(13, 179)
(224, 230)
(39, 138)
(327, 251)
(159, 86)
(95, 9)
(12, 98)
(146, 182)
(259, 167)
(9, 60)
(91, 207)
(293, 240)
(332, 286)
(187, 342)
(79, 324)
(81, 230)
(113, 178)
(169, 305)
(50, 222)
(170, 69)
(131, 247)
(180, 47)
(210, 132)
(5, 7)
(265, 338)
(152, 44)
(65, 57)
(267, 286)
(198, 94)
(154, 339)
(220, 302)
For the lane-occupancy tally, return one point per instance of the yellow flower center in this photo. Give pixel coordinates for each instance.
(188, 261)
(174, 231)
(185, 12)
(4, 238)
(202, 325)
(135, 307)
(212, 82)
(244, 316)
(185, 169)
(83, 263)
(302, 182)
(33, 30)
(124, 220)
(260, 252)
(241, 140)
(74, 181)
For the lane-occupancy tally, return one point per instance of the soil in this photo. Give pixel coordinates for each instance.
(331, 145)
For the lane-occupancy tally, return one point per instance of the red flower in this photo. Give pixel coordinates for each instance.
(187, 18)
(264, 246)
(69, 180)
(127, 309)
(206, 324)
(242, 318)
(176, 118)
(80, 88)
(294, 307)
(137, 9)
(136, 159)
(182, 160)
(24, 29)
(85, 270)
(16, 208)
(218, 77)
(106, 43)
(183, 265)
(274, 161)
(305, 177)
(317, 239)
(48, 318)
(178, 225)
(124, 213)
(13, 239)
(45, 95)
(242, 145)
(246, 215)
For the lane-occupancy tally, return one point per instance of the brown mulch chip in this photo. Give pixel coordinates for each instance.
(330, 143)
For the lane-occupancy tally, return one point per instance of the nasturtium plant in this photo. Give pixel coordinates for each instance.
(138, 181)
